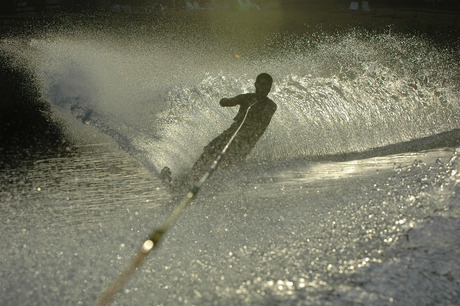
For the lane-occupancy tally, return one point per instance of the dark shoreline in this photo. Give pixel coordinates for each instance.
(27, 131)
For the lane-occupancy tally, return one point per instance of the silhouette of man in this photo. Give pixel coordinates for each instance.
(254, 115)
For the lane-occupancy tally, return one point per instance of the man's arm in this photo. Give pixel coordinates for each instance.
(230, 101)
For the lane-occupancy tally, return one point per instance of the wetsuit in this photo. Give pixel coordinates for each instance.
(257, 121)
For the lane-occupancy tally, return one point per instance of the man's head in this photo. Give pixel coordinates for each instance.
(263, 85)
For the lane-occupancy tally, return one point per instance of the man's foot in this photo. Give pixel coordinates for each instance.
(165, 175)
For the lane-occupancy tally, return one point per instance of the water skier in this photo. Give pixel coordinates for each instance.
(256, 121)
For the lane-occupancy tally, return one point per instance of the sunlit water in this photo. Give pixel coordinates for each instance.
(282, 228)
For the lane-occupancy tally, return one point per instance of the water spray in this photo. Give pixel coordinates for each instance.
(155, 237)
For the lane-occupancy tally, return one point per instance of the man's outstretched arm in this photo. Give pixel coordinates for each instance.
(230, 101)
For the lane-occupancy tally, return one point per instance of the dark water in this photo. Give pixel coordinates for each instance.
(351, 196)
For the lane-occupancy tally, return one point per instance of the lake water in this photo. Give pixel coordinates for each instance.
(351, 195)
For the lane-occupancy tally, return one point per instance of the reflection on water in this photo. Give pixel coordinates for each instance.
(360, 168)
